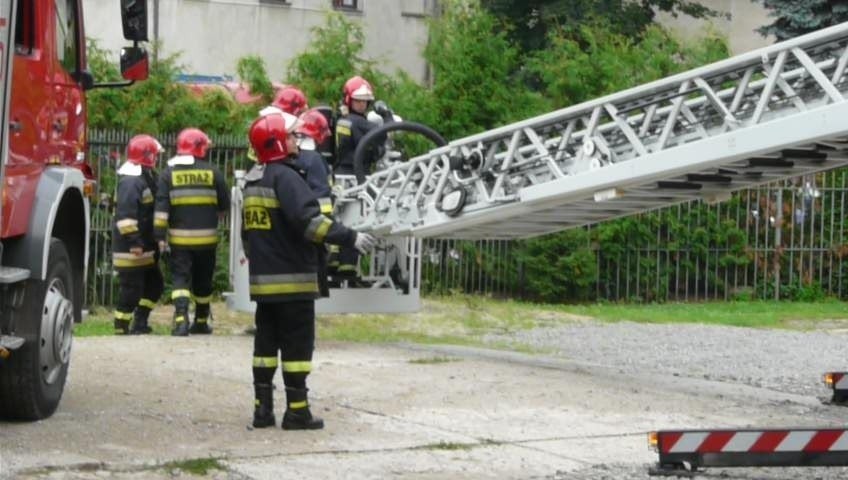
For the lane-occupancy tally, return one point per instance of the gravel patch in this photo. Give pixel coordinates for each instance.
(781, 360)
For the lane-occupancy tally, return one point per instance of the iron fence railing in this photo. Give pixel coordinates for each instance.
(793, 238)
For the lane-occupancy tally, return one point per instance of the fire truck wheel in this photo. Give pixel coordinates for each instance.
(33, 378)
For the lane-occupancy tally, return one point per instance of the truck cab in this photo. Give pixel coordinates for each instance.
(44, 207)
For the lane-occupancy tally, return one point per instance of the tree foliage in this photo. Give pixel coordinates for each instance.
(535, 19)
(159, 104)
(473, 64)
(797, 17)
(560, 266)
(333, 56)
(251, 70)
(594, 60)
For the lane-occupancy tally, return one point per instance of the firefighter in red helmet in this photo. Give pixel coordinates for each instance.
(134, 252)
(290, 100)
(353, 125)
(350, 128)
(282, 229)
(191, 198)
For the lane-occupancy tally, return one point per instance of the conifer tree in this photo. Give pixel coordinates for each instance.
(797, 17)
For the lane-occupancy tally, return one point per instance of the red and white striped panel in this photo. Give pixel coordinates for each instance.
(753, 441)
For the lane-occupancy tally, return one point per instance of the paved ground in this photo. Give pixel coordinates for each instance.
(140, 407)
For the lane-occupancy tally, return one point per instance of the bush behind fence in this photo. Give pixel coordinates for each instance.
(784, 240)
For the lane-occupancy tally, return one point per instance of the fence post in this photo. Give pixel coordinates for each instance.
(778, 227)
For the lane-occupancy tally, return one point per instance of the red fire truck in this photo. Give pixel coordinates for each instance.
(46, 182)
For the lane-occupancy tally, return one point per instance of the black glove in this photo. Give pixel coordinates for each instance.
(383, 110)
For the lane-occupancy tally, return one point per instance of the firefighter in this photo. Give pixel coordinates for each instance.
(353, 125)
(313, 130)
(282, 229)
(192, 197)
(350, 129)
(290, 100)
(134, 252)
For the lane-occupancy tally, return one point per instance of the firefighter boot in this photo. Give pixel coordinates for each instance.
(202, 316)
(298, 416)
(263, 412)
(180, 317)
(122, 322)
(122, 327)
(140, 326)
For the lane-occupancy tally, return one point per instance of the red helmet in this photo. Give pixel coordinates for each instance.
(290, 100)
(315, 125)
(142, 150)
(192, 141)
(357, 88)
(268, 138)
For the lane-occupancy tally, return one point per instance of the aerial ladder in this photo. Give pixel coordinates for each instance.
(770, 114)
(760, 117)
(756, 118)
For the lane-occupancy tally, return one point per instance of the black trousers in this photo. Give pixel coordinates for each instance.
(138, 285)
(191, 274)
(286, 329)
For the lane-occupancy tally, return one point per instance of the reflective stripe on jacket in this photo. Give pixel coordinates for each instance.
(189, 200)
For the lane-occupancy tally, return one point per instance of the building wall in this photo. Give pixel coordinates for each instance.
(745, 17)
(213, 34)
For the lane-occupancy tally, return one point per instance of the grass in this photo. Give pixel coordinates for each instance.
(195, 466)
(94, 327)
(101, 325)
(433, 360)
(99, 321)
(466, 320)
(450, 446)
(770, 314)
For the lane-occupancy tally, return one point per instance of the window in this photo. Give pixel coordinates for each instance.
(66, 34)
(346, 4)
(24, 30)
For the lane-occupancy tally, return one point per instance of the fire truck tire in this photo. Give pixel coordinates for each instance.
(365, 143)
(33, 378)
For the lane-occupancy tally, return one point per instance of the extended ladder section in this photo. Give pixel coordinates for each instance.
(770, 114)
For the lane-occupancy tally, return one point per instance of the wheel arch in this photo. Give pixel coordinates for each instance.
(60, 210)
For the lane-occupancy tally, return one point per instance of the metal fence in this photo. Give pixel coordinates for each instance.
(782, 240)
(788, 241)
